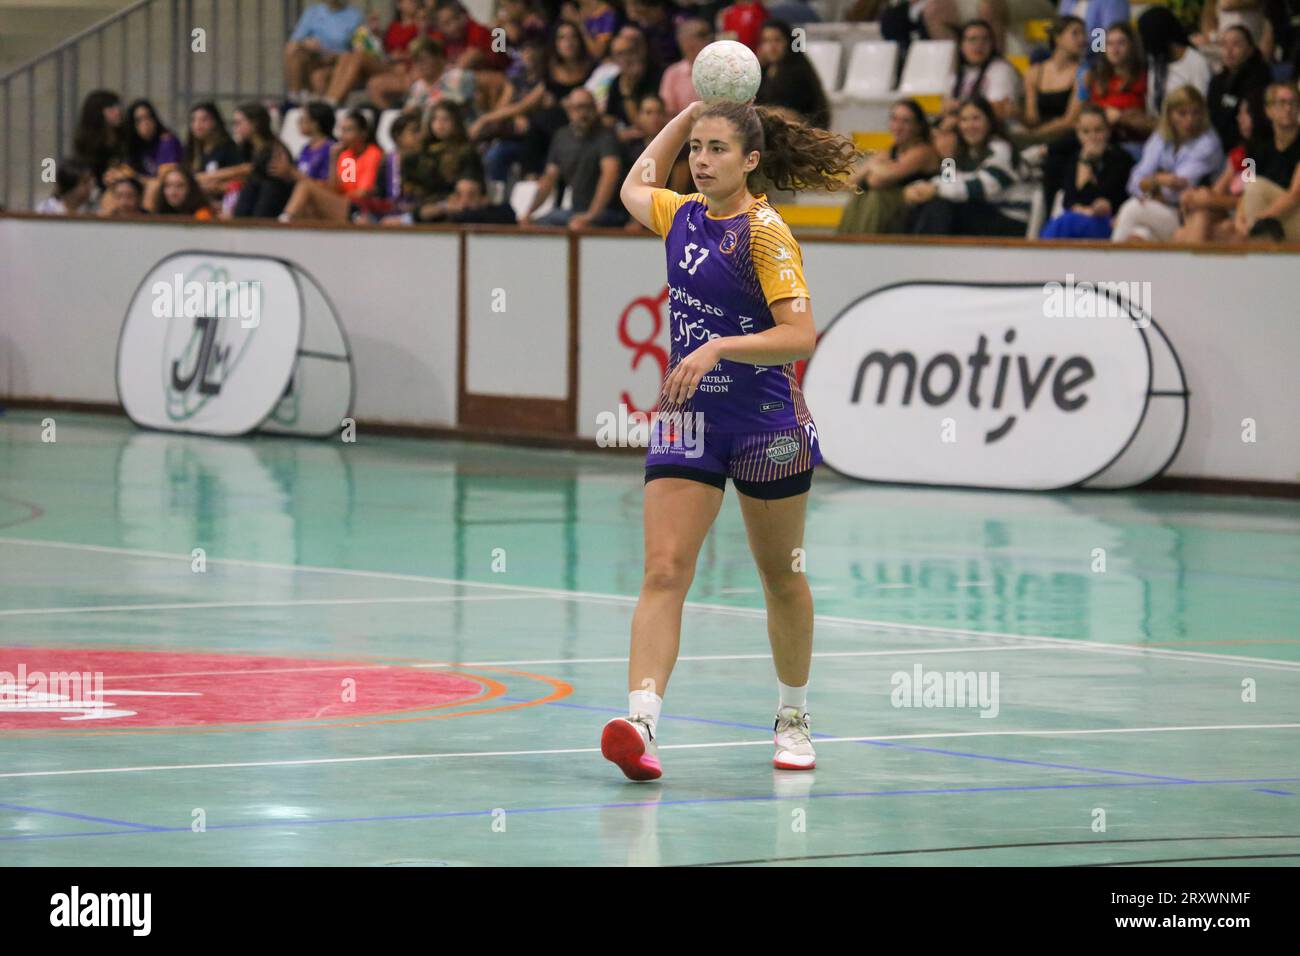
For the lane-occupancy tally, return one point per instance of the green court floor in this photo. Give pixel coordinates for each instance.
(400, 652)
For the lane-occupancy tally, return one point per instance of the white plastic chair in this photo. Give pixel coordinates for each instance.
(825, 56)
(871, 68)
(928, 68)
(293, 140)
(521, 198)
(384, 135)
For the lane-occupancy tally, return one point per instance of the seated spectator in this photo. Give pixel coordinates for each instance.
(1244, 73)
(789, 79)
(389, 69)
(655, 20)
(264, 192)
(1220, 16)
(99, 140)
(1096, 184)
(515, 138)
(982, 72)
(1182, 152)
(1207, 211)
(1275, 193)
(1117, 83)
(1051, 103)
(1172, 61)
(179, 194)
(636, 78)
(1100, 14)
(437, 80)
(743, 21)
(906, 20)
(596, 22)
(469, 203)
(585, 157)
(123, 195)
(73, 184)
(150, 146)
(522, 20)
(316, 123)
(210, 152)
(445, 156)
(879, 209)
(983, 195)
(395, 197)
(323, 33)
(467, 43)
(676, 89)
(354, 170)
(651, 117)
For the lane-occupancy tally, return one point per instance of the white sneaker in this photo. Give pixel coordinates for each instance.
(793, 738)
(630, 743)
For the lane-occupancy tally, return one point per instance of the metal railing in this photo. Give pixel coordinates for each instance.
(146, 50)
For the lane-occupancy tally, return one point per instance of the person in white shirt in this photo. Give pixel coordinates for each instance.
(73, 184)
(1172, 60)
(981, 71)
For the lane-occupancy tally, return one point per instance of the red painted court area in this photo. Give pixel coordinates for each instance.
(95, 690)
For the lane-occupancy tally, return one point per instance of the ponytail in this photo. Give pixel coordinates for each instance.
(793, 155)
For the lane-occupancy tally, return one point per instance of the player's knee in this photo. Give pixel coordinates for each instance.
(667, 574)
(783, 583)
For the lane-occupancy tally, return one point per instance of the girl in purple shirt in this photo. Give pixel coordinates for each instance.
(316, 122)
(150, 144)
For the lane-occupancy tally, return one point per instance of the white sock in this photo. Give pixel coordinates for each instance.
(796, 697)
(646, 703)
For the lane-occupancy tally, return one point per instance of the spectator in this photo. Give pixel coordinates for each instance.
(73, 184)
(986, 196)
(437, 80)
(1001, 14)
(744, 21)
(264, 192)
(636, 78)
(522, 20)
(1051, 105)
(879, 209)
(150, 146)
(390, 71)
(1275, 193)
(676, 88)
(1117, 82)
(584, 156)
(1183, 151)
(395, 198)
(466, 42)
(210, 152)
(1220, 16)
(1207, 211)
(1096, 184)
(655, 20)
(446, 156)
(469, 203)
(324, 31)
(100, 140)
(789, 79)
(316, 123)
(1099, 16)
(179, 194)
(1244, 73)
(1172, 61)
(982, 72)
(596, 22)
(516, 138)
(797, 12)
(353, 174)
(651, 117)
(123, 195)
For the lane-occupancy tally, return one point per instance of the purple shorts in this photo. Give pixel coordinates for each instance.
(749, 459)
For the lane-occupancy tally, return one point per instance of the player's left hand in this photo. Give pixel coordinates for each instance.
(685, 378)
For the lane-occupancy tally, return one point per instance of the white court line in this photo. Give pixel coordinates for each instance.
(1096, 647)
(111, 608)
(901, 652)
(317, 761)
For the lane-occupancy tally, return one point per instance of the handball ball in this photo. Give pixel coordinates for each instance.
(726, 70)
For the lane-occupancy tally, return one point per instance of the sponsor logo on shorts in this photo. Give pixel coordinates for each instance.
(783, 448)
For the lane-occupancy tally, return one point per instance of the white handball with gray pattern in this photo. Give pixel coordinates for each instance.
(726, 70)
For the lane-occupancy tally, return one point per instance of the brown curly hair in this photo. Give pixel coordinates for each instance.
(793, 155)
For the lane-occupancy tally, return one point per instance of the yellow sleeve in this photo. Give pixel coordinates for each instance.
(664, 204)
(778, 262)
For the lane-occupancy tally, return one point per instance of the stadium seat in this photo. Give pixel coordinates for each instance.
(522, 195)
(293, 140)
(826, 56)
(1036, 30)
(384, 135)
(1021, 63)
(871, 69)
(929, 67)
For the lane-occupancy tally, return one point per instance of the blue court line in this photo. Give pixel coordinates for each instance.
(697, 801)
(889, 743)
(77, 816)
(1279, 793)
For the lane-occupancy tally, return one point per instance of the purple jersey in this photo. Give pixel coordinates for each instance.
(314, 161)
(723, 276)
